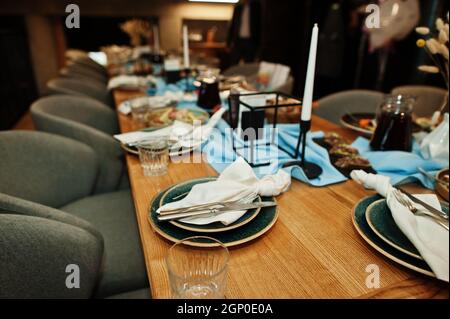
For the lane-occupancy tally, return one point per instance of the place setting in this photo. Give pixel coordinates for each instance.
(234, 208)
(410, 229)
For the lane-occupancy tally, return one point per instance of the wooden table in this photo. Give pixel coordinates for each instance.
(313, 250)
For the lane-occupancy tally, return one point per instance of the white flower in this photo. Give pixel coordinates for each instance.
(439, 24)
(446, 29)
(433, 45)
(443, 37)
(423, 30)
(428, 68)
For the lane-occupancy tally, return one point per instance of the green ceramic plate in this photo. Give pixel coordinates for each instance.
(250, 231)
(380, 220)
(363, 228)
(179, 191)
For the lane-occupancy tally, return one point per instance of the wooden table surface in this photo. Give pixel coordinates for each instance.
(313, 250)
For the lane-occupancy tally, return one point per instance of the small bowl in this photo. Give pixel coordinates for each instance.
(440, 188)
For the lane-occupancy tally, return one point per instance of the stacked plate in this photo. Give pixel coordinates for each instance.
(254, 223)
(374, 222)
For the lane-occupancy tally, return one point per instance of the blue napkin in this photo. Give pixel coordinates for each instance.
(182, 85)
(400, 166)
(220, 154)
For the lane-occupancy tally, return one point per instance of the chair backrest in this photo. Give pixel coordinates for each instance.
(90, 64)
(77, 121)
(80, 109)
(47, 257)
(44, 168)
(428, 98)
(73, 86)
(87, 72)
(334, 106)
(74, 74)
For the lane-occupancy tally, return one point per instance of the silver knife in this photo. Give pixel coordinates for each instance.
(209, 211)
(425, 205)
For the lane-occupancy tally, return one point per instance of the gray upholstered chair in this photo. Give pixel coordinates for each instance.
(334, 106)
(90, 122)
(84, 72)
(428, 98)
(73, 86)
(41, 176)
(80, 76)
(90, 64)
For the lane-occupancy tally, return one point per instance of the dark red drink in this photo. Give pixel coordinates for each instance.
(394, 125)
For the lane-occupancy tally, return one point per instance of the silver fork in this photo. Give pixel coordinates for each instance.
(410, 206)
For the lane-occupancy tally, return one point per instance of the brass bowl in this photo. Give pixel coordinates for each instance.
(442, 189)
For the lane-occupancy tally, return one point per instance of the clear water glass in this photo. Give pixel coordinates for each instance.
(139, 109)
(154, 156)
(198, 272)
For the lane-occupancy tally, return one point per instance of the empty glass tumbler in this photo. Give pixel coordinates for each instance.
(198, 272)
(154, 156)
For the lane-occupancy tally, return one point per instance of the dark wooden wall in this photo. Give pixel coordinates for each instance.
(17, 86)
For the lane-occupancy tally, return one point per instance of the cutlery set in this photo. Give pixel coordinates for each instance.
(210, 209)
(408, 200)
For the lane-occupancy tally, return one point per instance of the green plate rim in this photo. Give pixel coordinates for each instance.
(369, 213)
(379, 245)
(271, 212)
(196, 228)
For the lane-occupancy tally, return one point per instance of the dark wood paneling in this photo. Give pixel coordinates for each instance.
(17, 86)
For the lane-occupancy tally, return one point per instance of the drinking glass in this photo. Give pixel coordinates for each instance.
(154, 156)
(198, 272)
(139, 108)
(394, 124)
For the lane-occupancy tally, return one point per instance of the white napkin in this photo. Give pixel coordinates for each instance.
(430, 239)
(435, 145)
(237, 182)
(173, 131)
(129, 81)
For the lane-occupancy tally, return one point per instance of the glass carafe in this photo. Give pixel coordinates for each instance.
(394, 124)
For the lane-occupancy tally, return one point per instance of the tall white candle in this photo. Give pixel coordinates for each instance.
(186, 47)
(156, 39)
(309, 83)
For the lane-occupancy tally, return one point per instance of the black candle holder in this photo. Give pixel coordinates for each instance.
(235, 103)
(311, 170)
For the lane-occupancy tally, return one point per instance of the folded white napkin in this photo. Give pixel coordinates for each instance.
(129, 81)
(237, 182)
(430, 239)
(178, 128)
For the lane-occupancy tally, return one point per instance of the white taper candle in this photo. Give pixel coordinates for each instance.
(156, 39)
(186, 47)
(309, 83)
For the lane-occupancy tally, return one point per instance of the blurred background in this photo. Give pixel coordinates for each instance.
(34, 39)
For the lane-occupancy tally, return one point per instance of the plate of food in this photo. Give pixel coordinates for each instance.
(166, 116)
(343, 156)
(364, 123)
(443, 185)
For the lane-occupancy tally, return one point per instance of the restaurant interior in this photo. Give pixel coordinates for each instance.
(224, 149)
